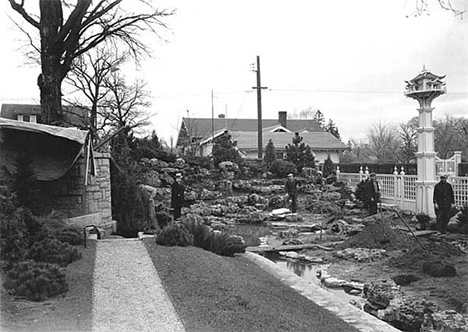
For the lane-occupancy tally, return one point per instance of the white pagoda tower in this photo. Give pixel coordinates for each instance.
(425, 88)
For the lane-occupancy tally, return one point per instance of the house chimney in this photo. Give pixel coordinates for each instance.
(220, 116)
(282, 118)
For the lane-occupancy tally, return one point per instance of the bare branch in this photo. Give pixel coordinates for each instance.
(19, 8)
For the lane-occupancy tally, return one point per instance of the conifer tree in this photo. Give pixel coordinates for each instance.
(300, 154)
(270, 153)
(224, 149)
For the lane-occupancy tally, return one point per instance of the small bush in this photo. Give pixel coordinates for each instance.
(281, 168)
(175, 235)
(72, 235)
(201, 233)
(13, 238)
(53, 251)
(163, 218)
(362, 193)
(36, 281)
(225, 244)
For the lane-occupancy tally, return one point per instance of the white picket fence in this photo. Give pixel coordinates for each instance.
(400, 189)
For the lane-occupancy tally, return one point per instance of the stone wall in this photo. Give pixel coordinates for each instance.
(66, 193)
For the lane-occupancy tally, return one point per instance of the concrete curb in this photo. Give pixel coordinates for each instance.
(347, 312)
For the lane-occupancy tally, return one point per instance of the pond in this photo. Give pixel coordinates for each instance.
(308, 272)
(252, 235)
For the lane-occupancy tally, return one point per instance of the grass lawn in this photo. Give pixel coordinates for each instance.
(215, 293)
(69, 312)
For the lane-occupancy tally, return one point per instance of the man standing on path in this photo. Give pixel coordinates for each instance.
(177, 196)
(443, 202)
(374, 194)
(291, 189)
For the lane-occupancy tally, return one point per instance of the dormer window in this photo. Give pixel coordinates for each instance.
(27, 118)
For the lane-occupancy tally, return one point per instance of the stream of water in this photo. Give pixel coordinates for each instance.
(252, 235)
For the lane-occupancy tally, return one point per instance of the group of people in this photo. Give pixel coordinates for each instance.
(443, 198)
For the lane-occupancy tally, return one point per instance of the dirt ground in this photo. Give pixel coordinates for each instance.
(404, 256)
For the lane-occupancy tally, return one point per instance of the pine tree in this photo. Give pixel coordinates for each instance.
(270, 153)
(318, 116)
(332, 129)
(224, 149)
(300, 154)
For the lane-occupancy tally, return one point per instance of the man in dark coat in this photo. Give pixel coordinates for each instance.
(291, 189)
(373, 190)
(443, 201)
(177, 196)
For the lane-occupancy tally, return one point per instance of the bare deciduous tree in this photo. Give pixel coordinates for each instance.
(451, 134)
(422, 6)
(126, 104)
(68, 30)
(383, 141)
(408, 134)
(88, 78)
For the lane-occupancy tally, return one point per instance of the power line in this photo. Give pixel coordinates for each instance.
(352, 91)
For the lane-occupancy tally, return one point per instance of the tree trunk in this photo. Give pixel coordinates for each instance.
(50, 80)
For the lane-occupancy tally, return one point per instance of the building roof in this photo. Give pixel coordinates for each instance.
(72, 115)
(52, 150)
(202, 127)
(425, 74)
(71, 134)
(316, 140)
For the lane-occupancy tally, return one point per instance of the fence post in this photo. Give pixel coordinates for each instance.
(360, 174)
(338, 173)
(402, 187)
(396, 189)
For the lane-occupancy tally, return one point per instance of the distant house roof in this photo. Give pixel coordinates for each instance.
(73, 115)
(202, 127)
(316, 140)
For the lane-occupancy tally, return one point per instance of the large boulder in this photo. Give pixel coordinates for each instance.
(406, 312)
(381, 292)
(439, 269)
(447, 321)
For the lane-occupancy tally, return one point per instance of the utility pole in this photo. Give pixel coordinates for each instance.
(212, 117)
(259, 89)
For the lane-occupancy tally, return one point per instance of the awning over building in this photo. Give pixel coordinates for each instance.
(51, 150)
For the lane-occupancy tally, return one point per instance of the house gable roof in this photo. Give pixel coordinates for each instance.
(202, 127)
(316, 140)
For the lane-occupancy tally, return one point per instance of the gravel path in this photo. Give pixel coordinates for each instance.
(127, 293)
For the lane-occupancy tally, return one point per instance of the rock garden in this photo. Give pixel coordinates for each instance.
(397, 268)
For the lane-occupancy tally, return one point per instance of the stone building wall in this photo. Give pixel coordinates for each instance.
(66, 193)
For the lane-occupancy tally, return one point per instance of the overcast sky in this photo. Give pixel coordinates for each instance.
(347, 58)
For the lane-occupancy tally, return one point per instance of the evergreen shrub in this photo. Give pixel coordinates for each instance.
(201, 233)
(175, 235)
(226, 244)
(53, 251)
(72, 235)
(362, 194)
(281, 168)
(35, 281)
(13, 238)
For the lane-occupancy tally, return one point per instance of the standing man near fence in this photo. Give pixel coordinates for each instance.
(373, 190)
(443, 202)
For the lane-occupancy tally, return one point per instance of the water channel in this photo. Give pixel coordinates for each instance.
(308, 271)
